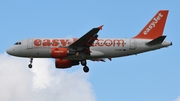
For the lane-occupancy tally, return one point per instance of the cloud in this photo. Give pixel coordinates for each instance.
(178, 99)
(41, 83)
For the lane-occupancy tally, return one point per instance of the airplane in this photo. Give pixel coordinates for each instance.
(69, 52)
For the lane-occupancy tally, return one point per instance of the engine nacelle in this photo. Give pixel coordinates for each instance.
(59, 52)
(65, 63)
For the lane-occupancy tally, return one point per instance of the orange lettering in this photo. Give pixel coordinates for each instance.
(46, 42)
(55, 42)
(118, 42)
(100, 42)
(108, 42)
(63, 42)
(37, 42)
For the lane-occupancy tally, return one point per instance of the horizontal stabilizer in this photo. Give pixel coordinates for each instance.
(156, 41)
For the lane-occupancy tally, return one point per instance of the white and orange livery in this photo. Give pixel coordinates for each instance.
(72, 51)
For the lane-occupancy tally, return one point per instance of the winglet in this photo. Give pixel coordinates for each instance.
(155, 27)
(100, 27)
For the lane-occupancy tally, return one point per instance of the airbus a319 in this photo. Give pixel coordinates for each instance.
(69, 52)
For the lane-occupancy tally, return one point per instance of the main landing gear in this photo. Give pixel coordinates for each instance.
(30, 65)
(85, 68)
(83, 63)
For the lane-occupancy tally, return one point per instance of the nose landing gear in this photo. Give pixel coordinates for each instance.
(85, 68)
(30, 65)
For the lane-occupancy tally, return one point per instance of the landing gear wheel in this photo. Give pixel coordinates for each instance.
(30, 65)
(86, 69)
(83, 62)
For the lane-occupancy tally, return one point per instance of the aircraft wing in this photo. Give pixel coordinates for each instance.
(86, 40)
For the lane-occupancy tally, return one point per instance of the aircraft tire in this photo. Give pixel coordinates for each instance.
(86, 69)
(30, 65)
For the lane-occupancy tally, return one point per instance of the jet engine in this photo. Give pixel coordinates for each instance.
(65, 63)
(59, 52)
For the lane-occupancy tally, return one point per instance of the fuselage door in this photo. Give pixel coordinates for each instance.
(132, 44)
(30, 44)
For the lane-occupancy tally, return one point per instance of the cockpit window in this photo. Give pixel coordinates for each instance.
(17, 43)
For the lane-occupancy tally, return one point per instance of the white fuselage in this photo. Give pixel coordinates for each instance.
(70, 51)
(102, 48)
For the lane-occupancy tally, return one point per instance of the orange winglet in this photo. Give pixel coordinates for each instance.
(100, 27)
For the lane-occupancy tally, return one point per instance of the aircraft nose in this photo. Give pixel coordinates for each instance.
(13, 51)
(9, 51)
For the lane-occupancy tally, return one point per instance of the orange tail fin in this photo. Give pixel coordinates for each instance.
(155, 27)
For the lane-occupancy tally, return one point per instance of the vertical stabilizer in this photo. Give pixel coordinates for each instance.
(155, 27)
